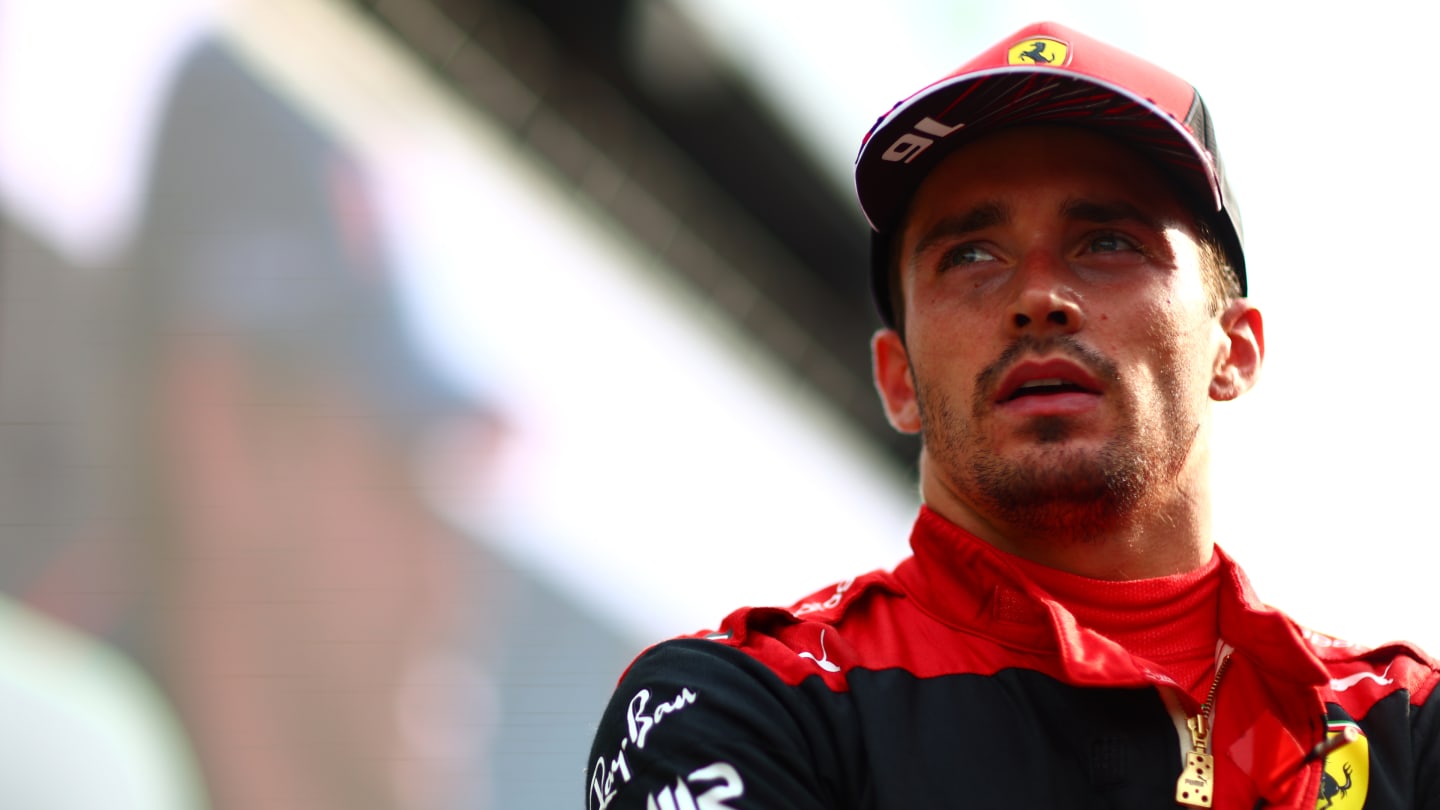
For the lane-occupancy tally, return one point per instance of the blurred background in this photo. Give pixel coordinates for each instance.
(378, 377)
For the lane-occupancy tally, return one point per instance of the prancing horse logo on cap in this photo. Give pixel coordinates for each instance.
(1039, 51)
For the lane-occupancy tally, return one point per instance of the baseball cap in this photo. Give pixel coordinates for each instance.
(1043, 73)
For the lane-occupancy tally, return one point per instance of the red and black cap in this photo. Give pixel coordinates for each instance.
(1044, 73)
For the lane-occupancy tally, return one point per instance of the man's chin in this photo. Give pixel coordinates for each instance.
(1059, 431)
(1056, 451)
(1061, 488)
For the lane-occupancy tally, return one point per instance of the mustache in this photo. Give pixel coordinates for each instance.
(988, 380)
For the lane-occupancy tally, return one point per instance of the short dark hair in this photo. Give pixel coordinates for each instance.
(1217, 270)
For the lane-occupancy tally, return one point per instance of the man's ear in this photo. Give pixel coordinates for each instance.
(1237, 365)
(894, 381)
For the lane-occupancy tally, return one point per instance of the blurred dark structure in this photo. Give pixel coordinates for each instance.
(626, 103)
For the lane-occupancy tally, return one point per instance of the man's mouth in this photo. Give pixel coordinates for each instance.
(1046, 386)
(1053, 387)
(1046, 378)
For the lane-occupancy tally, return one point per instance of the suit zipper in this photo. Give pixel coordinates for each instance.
(1196, 785)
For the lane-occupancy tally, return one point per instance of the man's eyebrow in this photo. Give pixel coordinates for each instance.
(984, 215)
(1101, 212)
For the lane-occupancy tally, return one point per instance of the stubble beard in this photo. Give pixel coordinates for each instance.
(1055, 488)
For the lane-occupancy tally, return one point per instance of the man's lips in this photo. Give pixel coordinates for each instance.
(1056, 386)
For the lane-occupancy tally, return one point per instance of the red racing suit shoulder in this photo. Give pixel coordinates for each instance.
(947, 682)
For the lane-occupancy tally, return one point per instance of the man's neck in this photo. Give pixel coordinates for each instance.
(1168, 533)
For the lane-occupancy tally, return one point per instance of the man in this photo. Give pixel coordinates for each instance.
(288, 584)
(1058, 262)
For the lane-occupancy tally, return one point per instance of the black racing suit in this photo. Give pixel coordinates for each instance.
(952, 682)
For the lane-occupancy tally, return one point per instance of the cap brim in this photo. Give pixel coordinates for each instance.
(903, 149)
(911, 140)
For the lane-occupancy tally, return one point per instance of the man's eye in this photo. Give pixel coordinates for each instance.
(966, 254)
(1110, 243)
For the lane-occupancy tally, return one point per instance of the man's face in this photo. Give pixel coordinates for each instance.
(1059, 342)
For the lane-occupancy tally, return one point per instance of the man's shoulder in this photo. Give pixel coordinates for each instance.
(810, 636)
(722, 707)
(1358, 671)
(837, 605)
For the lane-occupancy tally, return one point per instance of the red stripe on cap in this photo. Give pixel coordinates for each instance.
(968, 91)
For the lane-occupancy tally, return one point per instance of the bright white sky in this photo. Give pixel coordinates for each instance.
(750, 491)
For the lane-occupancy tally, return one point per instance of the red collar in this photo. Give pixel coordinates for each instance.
(967, 583)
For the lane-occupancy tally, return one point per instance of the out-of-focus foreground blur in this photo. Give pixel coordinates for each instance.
(349, 392)
(378, 377)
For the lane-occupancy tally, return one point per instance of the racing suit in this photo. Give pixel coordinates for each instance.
(954, 681)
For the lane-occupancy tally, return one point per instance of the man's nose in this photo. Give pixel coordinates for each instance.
(1045, 301)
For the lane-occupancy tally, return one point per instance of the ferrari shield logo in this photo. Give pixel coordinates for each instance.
(1346, 778)
(1039, 51)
